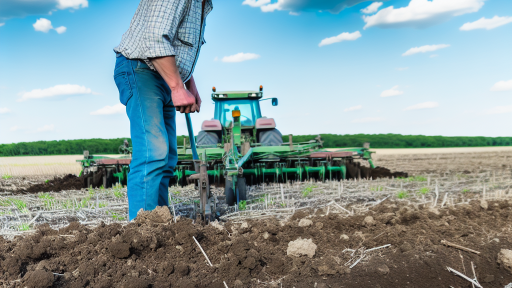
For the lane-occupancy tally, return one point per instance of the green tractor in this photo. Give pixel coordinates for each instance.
(240, 147)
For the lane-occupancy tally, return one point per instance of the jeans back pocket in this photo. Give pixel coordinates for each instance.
(124, 87)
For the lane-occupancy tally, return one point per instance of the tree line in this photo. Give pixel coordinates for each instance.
(403, 141)
(111, 146)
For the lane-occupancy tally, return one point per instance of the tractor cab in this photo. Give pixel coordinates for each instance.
(252, 124)
(249, 108)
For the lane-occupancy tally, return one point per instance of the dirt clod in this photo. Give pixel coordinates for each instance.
(305, 222)
(383, 269)
(119, 250)
(301, 247)
(39, 279)
(369, 221)
(505, 259)
(406, 247)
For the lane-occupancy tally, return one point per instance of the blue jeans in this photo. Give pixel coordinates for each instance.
(153, 131)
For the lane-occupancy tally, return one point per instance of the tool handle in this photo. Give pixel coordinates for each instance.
(191, 137)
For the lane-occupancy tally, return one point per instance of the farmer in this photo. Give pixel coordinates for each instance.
(154, 66)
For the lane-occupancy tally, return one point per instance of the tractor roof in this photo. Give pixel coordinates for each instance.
(247, 94)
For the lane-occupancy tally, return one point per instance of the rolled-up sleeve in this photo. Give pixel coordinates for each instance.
(161, 25)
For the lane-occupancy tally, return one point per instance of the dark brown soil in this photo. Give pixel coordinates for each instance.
(57, 184)
(156, 252)
(381, 172)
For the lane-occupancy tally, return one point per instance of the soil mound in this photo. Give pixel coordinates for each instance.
(68, 182)
(381, 172)
(150, 252)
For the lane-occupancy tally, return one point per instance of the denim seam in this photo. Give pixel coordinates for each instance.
(145, 138)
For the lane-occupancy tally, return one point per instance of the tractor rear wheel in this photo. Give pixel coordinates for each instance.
(230, 195)
(205, 138)
(271, 137)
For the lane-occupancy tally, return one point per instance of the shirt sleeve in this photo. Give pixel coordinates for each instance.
(163, 19)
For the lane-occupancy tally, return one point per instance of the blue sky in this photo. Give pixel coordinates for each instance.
(440, 67)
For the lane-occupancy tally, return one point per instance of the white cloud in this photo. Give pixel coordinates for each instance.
(22, 8)
(367, 120)
(402, 68)
(256, 3)
(43, 25)
(345, 36)
(426, 48)
(421, 13)
(4, 110)
(57, 90)
(424, 105)
(488, 24)
(15, 128)
(216, 58)
(502, 86)
(46, 128)
(2, 24)
(61, 29)
(240, 57)
(499, 110)
(75, 4)
(433, 56)
(294, 13)
(295, 6)
(391, 92)
(109, 110)
(372, 8)
(358, 107)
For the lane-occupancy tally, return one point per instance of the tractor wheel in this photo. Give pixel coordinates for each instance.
(207, 139)
(271, 137)
(230, 196)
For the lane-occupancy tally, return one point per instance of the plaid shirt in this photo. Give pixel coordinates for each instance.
(167, 28)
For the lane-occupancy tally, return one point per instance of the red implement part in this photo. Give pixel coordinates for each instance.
(113, 161)
(330, 155)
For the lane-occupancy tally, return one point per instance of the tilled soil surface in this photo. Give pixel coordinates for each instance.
(153, 251)
(36, 184)
(57, 184)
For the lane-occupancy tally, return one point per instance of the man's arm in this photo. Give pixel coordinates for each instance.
(183, 100)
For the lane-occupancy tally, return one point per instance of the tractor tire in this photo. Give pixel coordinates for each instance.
(242, 190)
(271, 137)
(207, 139)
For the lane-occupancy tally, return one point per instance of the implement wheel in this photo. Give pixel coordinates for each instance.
(230, 195)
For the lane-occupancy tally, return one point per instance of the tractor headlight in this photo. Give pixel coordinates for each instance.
(254, 94)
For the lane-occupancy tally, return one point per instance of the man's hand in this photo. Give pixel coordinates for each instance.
(183, 100)
(191, 86)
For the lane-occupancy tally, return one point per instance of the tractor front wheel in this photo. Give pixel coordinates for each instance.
(230, 195)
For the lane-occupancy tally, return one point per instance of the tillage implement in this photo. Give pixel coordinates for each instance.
(237, 148)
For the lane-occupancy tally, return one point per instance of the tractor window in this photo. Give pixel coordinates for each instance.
(249, 110)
